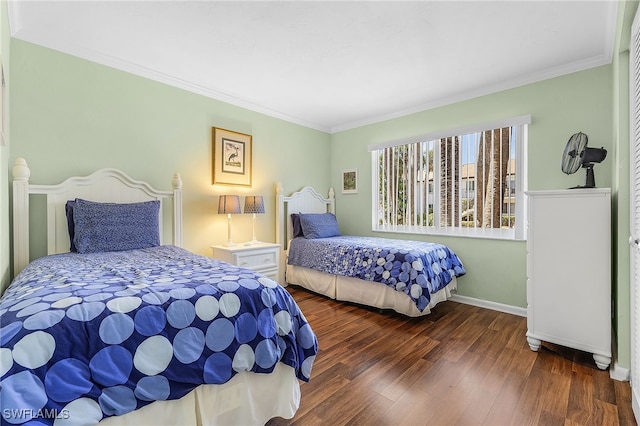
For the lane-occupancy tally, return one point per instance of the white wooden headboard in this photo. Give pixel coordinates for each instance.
(307, 200)
(105, 185)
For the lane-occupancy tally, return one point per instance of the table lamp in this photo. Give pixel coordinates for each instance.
(229, 204)
(253, 204)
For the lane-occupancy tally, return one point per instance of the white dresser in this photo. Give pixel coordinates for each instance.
(569, 270)
(260, 257)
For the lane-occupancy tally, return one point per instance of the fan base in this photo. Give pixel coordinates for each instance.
(590, 179)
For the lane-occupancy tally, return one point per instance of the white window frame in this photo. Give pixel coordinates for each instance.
(517, 233)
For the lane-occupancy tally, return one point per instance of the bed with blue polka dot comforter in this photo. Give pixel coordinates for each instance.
(88, 336)
(416, 268)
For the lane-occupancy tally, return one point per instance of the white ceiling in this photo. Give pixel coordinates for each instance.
(329, 65)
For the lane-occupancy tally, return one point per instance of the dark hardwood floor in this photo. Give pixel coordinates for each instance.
(460, 365)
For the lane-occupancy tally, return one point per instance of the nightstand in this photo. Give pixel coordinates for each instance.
(260, 257)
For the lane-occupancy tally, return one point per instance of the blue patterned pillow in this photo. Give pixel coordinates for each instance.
(101, 227)
(319, 225)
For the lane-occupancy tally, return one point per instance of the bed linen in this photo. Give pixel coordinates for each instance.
(247, 399)
(89, 336)
(415, 268)
(366, 293)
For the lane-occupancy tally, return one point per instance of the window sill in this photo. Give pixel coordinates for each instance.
(485, 233)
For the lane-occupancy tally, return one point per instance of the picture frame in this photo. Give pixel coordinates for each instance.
(231, 159)
(350, 181)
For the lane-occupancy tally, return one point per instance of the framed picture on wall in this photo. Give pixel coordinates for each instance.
(231, 157)
(350, 181)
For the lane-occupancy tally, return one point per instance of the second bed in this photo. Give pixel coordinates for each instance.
(409, 277)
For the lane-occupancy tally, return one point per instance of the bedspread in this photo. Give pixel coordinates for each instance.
(413, 267)
(87, 336)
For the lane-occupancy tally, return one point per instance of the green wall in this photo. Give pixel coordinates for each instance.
(71, 117)
(559, 107)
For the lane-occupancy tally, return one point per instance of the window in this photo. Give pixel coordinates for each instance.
(466, 182)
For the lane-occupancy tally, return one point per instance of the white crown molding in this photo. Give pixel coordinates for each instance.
(604, 59)
(174, 81)
(171, 80)
(487, 90)
(180, 83)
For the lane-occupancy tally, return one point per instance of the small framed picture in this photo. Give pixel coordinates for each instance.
(231, 157)
(350, 181)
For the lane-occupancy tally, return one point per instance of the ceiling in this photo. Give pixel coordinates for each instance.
(329, 65)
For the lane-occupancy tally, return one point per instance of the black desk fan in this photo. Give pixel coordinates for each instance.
(577, 154)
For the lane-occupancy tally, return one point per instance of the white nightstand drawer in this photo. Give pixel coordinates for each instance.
(257, 260)
(270, 273)
(260, 257)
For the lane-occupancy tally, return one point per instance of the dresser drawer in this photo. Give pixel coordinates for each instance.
(257, 260)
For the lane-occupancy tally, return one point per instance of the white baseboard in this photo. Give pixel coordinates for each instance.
(618, 373)
(495, 306)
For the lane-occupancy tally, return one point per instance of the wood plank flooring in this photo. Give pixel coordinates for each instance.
(460, 365)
